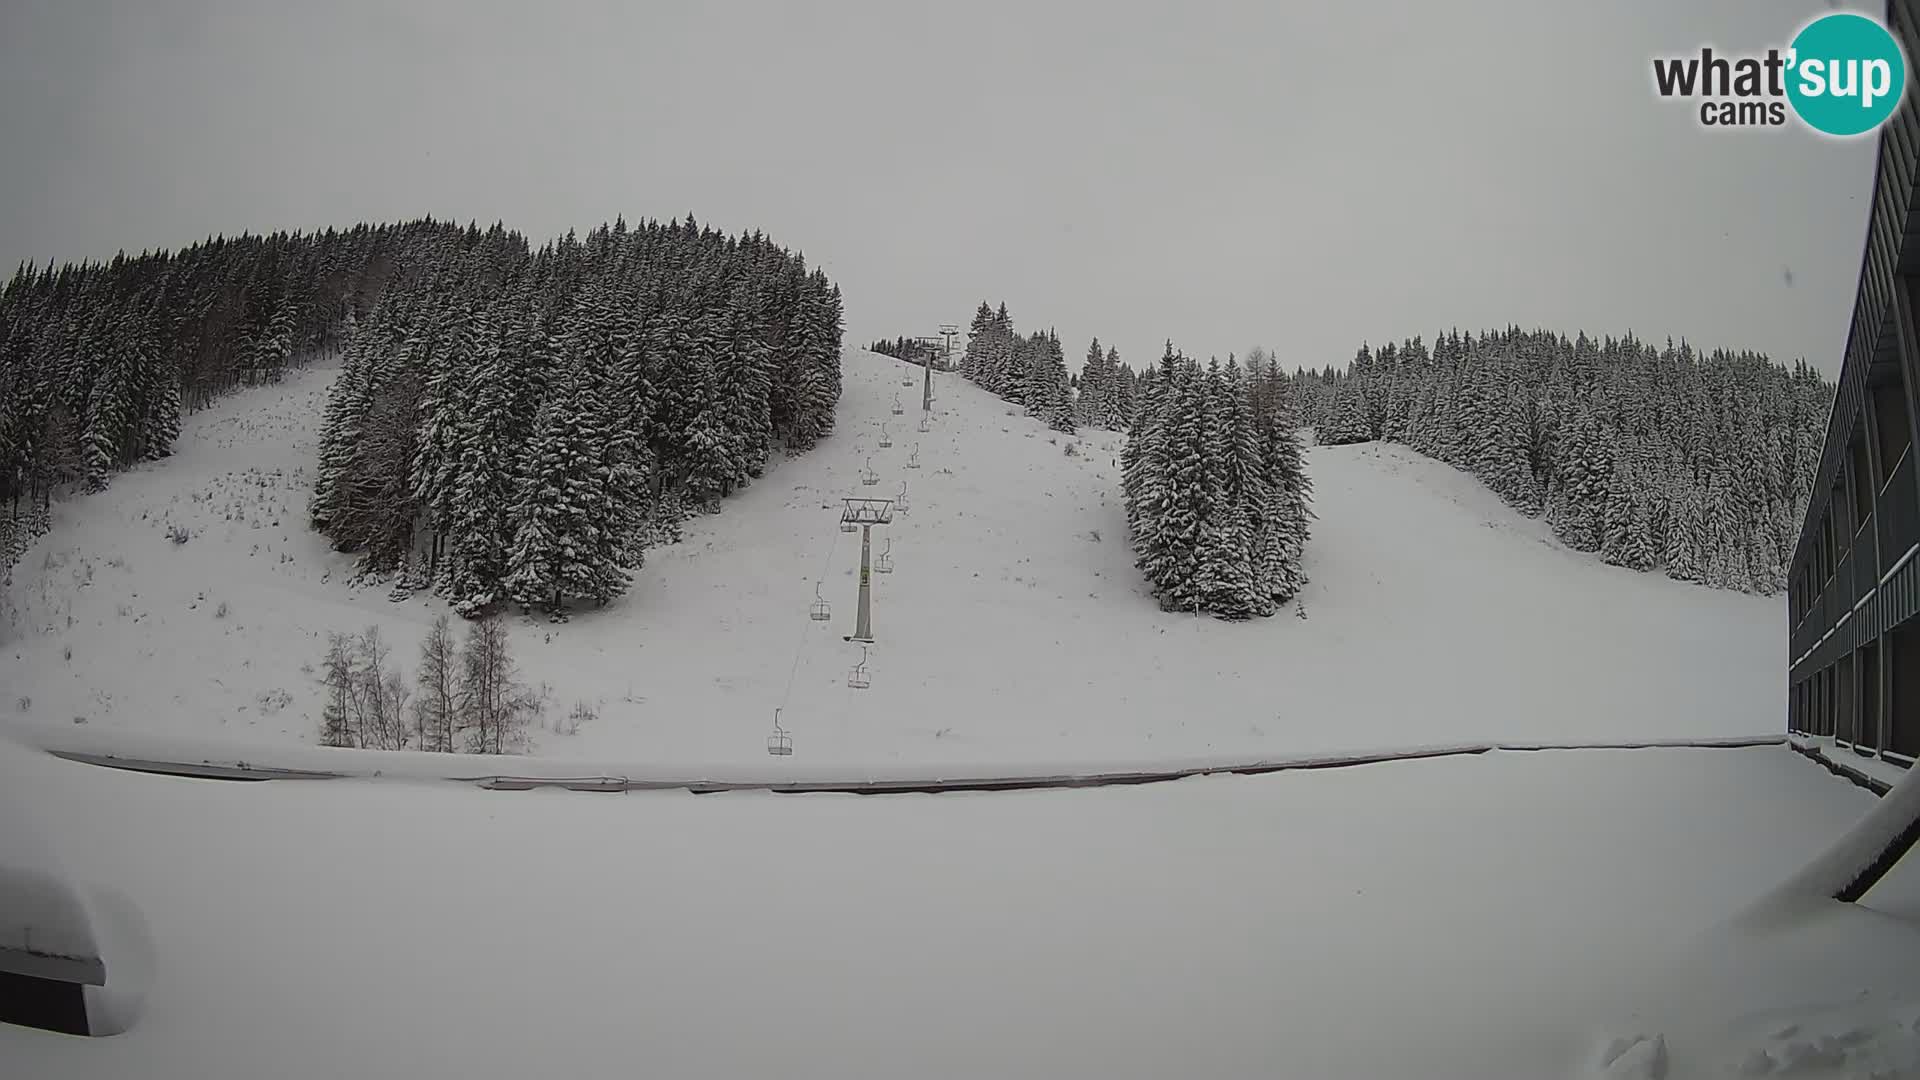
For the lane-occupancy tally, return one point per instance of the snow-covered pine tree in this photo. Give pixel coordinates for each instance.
(111, 411)
(556, 532)
(1146, 462)
(1408, 376)
(1049, 393)
(979, 343)
(1346, 420)
(1092, 402)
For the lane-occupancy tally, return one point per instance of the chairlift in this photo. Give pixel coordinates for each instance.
(820, 610)
(897, 407)
(779, 744)
(868, 476)
(913, 459)
(900, 500)
(925, 425)
(858, 678)
(884, 563)
(886, 437)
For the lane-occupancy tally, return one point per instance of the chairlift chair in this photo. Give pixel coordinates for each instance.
(886, 437)
(780, 743)
(897, 407)
(924, 424)
(913, 459)
(900, 500)
(858, 678)
(883, 564)
(820, 610)
(868, 476)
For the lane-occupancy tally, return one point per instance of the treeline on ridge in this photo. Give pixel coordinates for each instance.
(1696, 464)
(912, 350)
(99, 359)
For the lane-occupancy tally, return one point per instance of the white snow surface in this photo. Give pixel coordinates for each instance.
(1008, 633)
(1508, 915)
(40, 914)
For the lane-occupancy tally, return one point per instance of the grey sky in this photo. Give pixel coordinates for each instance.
(1300, 176)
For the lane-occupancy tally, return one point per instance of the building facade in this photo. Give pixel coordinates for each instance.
(1854, 582)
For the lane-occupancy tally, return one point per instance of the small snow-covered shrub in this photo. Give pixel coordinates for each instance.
(179, 535)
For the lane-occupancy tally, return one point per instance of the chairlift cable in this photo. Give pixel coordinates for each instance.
(800, 651)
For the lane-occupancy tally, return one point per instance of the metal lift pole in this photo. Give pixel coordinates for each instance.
(863, 622)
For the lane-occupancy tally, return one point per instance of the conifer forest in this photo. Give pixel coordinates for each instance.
(509, 425)
(1698, 465)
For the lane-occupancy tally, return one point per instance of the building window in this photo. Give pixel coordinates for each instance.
(1826, 549)
(1845, 717)
(1869, 723)
(1903, 702)
(1860, 477)
(1895, 435)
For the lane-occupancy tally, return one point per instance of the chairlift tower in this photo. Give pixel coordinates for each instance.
(949, 331)
(866, 513)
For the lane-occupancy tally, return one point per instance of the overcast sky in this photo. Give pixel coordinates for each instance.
(1299, 176)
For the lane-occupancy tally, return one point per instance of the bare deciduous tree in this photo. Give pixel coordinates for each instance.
(436, 711)
(383, 695)
(495, 708)
(336, 719)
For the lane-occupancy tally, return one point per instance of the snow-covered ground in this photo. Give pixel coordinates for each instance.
(1013, 629)
(1490, 917)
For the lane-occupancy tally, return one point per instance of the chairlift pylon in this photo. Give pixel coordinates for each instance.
(858, 678)
(868, 476)
(883, 563)
(819, 610)
(780, 743)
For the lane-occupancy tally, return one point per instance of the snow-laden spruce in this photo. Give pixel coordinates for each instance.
(522, 424)
(1030, 370)
(1105, 390)
(1216, 494)
(1698, 465)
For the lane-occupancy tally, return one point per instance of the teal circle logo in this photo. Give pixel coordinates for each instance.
(1846, 74)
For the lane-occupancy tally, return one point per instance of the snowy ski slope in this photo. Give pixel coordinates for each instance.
(1013, 629)
(1405, 921)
